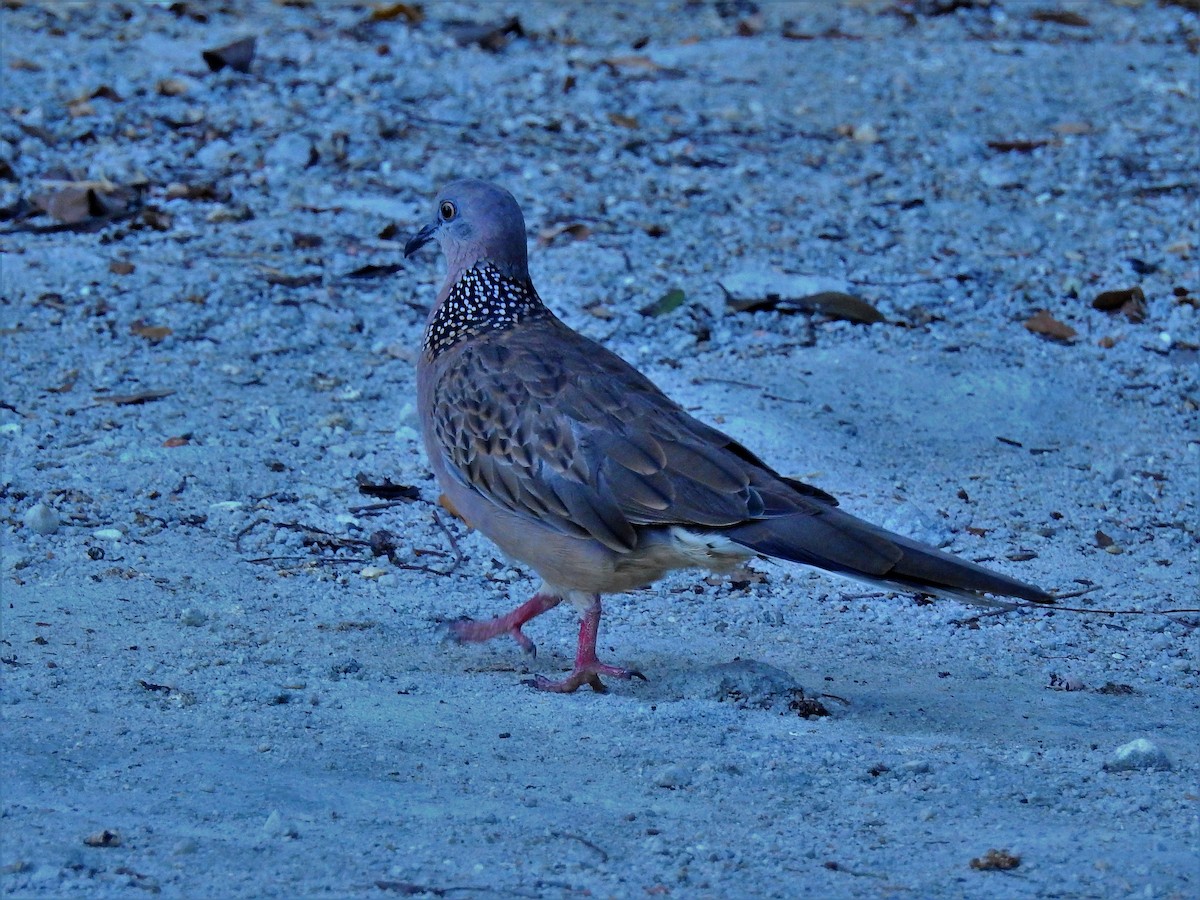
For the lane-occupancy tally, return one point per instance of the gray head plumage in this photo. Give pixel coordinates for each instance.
(477, 222)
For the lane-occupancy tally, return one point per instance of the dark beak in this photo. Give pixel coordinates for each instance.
(419, 240)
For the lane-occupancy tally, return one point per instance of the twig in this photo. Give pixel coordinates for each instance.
(237, 542)
(459, 558)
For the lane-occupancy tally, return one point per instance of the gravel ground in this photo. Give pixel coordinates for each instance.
(223, 673)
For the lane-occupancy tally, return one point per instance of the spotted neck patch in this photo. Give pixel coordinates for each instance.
(482, 300)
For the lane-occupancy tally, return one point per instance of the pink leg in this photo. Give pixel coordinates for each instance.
(588, 667)
(470, 631)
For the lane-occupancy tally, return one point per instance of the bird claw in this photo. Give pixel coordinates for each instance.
(581, 675)
(466, 630)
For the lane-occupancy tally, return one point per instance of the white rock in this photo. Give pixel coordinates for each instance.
(1137, 754)
(42, 518)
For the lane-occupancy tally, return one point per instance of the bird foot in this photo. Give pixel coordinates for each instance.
(469, 631)
(588, 674)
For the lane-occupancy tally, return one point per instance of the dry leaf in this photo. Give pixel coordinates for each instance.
(1130, 301)
(179, 441)
(303, 241)
(1041, 322)
(387, 489)
(171, 87)
(133, 399)
(837, 304)
(155, 218)
(751, 25)
(409, 12)
(623, 121)
(275, 276)
(121, 267)
(490, 37)
(237, 56)
(996, 859)
(577, 230)
(177, 190)
(1018, 146)
(1060, 17)
(152, 333)
(68, 383)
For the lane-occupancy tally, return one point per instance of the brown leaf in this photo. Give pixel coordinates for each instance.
(845, 306)
(20, 64)
(177, 190)
(490, 37)
(832, 303)
(409, 12)
(386, 489)
(275, 276)
(1018, 146)
(171, 87)
(103, 838)
(576, 230)
(996, 859)
(751, 25)
(157, 219)
(1103, 540)
(304, 241)
(1041, 322)
(133, 399)
(1130, 301)
(237, 56)
(623, 121)
(68, 383)
(178, 441)
(1060, 17)
(121, 267)
(152, 333)
(104, 92)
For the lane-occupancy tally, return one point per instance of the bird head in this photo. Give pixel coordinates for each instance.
(476, 222)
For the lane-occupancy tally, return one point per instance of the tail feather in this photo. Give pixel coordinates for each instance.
(830, 539)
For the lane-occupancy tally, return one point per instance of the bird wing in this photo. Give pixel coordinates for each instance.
(545, 422)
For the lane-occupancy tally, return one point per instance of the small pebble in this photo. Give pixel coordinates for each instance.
(42, 518)
(673, 777)
(192, 617)
(277, 826)
(1137, 754)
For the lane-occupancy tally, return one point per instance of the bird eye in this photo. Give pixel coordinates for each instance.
(447, 210)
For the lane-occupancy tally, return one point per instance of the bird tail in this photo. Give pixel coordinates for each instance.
(830, 539)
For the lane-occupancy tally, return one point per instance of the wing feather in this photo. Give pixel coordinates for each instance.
(580, 439)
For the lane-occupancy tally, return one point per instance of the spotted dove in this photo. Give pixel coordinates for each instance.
(576, 465)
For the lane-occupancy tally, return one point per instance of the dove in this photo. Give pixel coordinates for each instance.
(576, 465)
